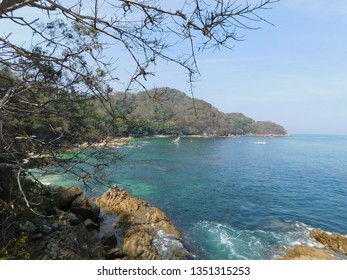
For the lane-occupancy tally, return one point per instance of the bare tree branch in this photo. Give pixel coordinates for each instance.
(50, 82)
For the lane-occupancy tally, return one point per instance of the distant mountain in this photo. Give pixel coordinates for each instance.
(169, 111)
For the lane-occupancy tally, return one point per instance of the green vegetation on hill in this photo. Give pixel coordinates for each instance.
(169, 111)
(44, 119)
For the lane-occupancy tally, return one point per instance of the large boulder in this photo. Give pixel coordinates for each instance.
(335, 241)
(332, 246)
(85, 209)
(66, 195)
(141, 226)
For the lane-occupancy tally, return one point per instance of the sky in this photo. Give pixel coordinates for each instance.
(292, 72)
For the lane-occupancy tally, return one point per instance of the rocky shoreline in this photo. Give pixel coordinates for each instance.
(76, 229)
(331, 246)
(119, 226)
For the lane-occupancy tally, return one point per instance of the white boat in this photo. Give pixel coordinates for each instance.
(259, 142)
(177, 140)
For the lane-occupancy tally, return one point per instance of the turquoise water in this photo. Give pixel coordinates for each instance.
(241, 198)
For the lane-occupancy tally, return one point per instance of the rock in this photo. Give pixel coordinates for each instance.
(306, 253)
(141, 227)
(114, 253)
(29, 227)
(333, 246)
(72, 219)
(85, 209)
(90, 225)
(137, 244)
(109, 239)
(66, 195)
(70, 243)
(54, 226)
(45, 229)
(37, 236)
(139, 223)
(335, 242)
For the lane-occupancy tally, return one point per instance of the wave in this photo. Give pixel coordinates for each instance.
(223, 241)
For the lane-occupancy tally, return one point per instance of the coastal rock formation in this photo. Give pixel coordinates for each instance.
(69, 239)
(72, 230)
(66, 195)
(334, 246)
(146, 232)
(335, 242)
(82, 207)
(68, 231)
(306, 253)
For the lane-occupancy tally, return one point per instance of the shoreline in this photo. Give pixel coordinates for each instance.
(213, 136)
(118, 142)
(333, 246)
(289, 249)
(119, 226)
(75, 228)
(145, 230)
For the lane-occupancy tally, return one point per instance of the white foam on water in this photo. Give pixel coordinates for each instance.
(166, 244)
(223, 241)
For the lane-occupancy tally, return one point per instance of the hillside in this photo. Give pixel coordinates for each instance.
(169, 111)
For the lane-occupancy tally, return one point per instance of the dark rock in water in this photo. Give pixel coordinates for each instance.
(85, 209)
(90, 224)
(66, 195)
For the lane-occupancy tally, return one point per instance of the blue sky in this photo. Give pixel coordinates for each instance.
(293, 73)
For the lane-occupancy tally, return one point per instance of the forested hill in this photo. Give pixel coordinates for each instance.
(169, 111)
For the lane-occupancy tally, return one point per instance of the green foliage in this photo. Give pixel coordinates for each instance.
(267, 128)
(46, 118)
(13, 242)
(15, 248)
(169, 111)
(14, 212)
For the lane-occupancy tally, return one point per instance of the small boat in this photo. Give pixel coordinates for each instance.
(177, 140)
(259, 142)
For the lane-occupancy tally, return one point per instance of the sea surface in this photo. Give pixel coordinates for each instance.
(239, 198)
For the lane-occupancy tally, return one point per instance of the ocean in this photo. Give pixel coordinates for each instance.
(239, 198)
